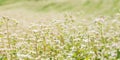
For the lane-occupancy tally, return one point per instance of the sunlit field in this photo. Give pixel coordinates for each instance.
(59, 30)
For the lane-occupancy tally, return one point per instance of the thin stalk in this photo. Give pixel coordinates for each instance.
(102, 33)
(7, 28)
(7, 34)
(36, 45)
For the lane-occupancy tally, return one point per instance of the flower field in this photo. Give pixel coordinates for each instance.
(59, 30)
(67, 39)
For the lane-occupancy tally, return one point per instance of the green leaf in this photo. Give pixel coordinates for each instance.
(87, 58)
(118, 54)
(1, 57)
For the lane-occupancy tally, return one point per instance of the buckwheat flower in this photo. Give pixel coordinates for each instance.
(48, 41)
(93, 31)
(82, 46)
(70, 54)
(108, 46)
(112, 53)
(77, 39)
(58, 55)
(61, 47)
(30, 51)
(57, 41)
(73, 49)
(35, 31)
(67, 41)
(86, 40)
(22, 39)
(5, 49)
(20, 44)
(114, 45)
(99, 20)
(14, 21)
(14, 34)
(114, 21)
(37, 58)
(91, 52)
(24, 56)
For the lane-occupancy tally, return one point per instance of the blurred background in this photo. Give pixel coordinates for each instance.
(24, 8)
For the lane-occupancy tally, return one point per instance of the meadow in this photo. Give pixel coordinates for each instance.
(59, 30)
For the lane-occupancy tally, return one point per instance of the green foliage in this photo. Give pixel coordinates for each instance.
(102, 7)
(118, 54)
(2, 2)
(69, 38)
(65, 39)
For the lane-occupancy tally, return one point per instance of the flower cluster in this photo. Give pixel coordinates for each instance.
(66, 39)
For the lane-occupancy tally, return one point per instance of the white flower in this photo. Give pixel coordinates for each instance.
(61, 47)
(83, 46)
(73, 49)
(70, 54)
(91, 52)
(99, 20)
(24, 56)
(76, 39)
(35, 31)
(57, 41)
(114, 21)
(114, 45)
(86, 40)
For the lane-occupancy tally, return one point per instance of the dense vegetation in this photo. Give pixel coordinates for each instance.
(83, 6)
(87, 30)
